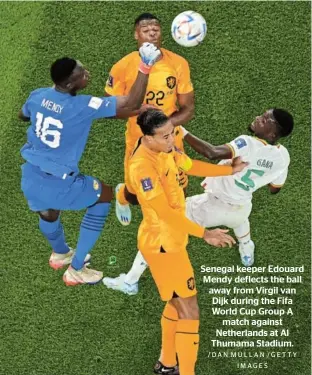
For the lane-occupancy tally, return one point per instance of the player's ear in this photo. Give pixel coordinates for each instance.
(136, 35)
(149, 138)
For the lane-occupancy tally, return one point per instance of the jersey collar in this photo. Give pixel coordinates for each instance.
(266, 143)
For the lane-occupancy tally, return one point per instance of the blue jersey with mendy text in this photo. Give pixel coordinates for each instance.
(60, 125)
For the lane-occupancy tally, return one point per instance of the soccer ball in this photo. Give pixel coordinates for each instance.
(189, 29)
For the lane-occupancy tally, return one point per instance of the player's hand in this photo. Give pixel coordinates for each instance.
(238, 165)
(149, 54)
(218, 238)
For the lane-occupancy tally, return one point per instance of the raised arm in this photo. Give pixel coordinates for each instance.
(185, 94)
(186, 109)
(207, 149)
(126, 105)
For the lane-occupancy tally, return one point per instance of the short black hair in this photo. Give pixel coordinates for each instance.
(145, 16)
(150, 120)
(61, 69)
(284, 120)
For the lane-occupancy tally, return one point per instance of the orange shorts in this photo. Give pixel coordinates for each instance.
(173, 274)
(130, 144)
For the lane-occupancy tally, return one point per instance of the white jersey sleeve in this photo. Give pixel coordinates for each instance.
(240, 146)
(279, 181)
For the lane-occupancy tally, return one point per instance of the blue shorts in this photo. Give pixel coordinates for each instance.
(44, 191)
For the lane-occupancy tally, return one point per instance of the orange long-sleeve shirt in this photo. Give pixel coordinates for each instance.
(154, 179)
(169, 77)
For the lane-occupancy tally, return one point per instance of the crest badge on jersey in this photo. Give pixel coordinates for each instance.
(171, 82)
(191, 283)
(240, 142)
(110, 81)
(147, 184)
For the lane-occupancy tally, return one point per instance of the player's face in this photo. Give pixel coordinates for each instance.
(148, 31)
(163, 139)
(80, 77)
(264, 125)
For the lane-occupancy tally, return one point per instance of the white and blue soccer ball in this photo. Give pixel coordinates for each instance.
(189, 28)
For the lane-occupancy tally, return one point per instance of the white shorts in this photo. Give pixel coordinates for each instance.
(209, 211)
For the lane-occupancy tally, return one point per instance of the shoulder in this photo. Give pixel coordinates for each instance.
(126, 60)
(140, 163)
(94, 102)
(284, 154)
(42, 89)
(243, 141)
(140, 169)
(178, 61)
(173, 56)
(39, 91)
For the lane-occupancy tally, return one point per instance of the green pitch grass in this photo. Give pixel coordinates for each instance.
(256, 55)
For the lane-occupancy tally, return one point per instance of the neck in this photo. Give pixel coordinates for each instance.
(269, 141)
(148, 146)
(64, 91)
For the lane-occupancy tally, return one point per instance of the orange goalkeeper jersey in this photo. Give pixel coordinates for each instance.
(169, 77)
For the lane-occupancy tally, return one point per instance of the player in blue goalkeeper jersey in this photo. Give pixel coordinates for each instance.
(51, 181)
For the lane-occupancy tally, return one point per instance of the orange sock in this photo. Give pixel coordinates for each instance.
(120, 196)
(169, 322)
(187, 339)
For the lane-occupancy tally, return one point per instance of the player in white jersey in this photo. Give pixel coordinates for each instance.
(228, 200)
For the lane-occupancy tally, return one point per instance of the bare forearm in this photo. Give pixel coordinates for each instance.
(203, 148)
(208, 150)
(182, 116)
(137, 93)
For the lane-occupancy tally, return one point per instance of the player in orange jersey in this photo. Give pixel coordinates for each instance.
(163, 235)
(169, 89)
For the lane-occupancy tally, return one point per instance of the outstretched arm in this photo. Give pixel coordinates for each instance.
(178, 221)
(129, 105)
(150, 191)
(206, 149)
(126, 105)
(203, 169)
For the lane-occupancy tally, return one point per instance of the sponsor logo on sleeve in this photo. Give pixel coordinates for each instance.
(240, 142)
(95, 102)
